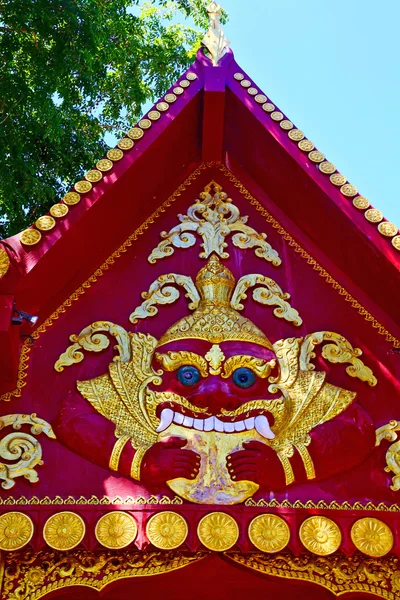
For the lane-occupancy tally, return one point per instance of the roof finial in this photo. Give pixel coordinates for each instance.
(215, 40)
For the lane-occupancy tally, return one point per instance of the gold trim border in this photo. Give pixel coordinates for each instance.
(336, 573)
(165, 501)
(24, 358)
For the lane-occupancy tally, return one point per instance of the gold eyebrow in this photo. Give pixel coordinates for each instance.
(171, 361)
(259, 366)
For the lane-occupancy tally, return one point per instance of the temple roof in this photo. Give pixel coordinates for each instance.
(214, 113)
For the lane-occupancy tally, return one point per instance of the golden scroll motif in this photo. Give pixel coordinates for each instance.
(269, 293)
(337, 573)
(338, 351)
(214, 217)
(21, 447)
(80, 567)
(389, 432)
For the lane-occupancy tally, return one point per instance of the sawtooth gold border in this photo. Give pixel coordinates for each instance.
(24, 358)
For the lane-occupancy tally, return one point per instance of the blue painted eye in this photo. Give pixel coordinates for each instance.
(188, 375)
(243, 378)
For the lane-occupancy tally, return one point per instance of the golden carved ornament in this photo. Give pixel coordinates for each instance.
(339, 350)
(238, 76)
(59, 210)
(276, 116)
(145, 123)
(184, 83)
(327, 167)
(178, 90)
(154, 115)
(262, 368)
(71, 198)
(252, 91)
(215, 357)
(296, 135)
(45, 223)
(214, 40)
(269, 293)
(115, 154)
(320, 535)
(316, 156)
(83, 186)
(94, 176)
(372, 537)
(30, 237)
(170, 98)
(218, 531)
(373, 215)
(172, 361)
(338, 179)
(162, 106)
(16, 530)
(214, 217)
(388, 229)
(286, 125)
(135, 133)
(269, 533)
(191, 76)
(215, 318)
(260, 98)
(396, 242)
(64, 531)
(245, 83)
(389, 432)
(94, 570)
(268, 107)
(306, 145)
(4, 262)
(167, 530)
(116, 530)
(125, 143)
(349, 190)
(360, 202)
(21, 447)
(337, 573)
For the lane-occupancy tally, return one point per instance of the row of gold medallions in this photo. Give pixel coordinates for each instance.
(373, 215)
(217, 531)
(33, 235)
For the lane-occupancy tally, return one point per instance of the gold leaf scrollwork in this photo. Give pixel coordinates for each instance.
(389, 432)
(92, 340)
(161, 293)
(213, 217)
(339, 350)
(21, 447)
(337, 573)
(270, 293)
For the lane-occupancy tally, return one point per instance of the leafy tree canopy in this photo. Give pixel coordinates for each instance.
(71, 71)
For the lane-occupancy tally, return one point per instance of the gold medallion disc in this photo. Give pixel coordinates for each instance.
(338, 179)
(178, 90)
(316, 156)
(306, 145)
(269, 533)
(387, 228)
(59, 210)
(30, 237)
(115, 154)
(245, 83)
(276, 116)
(145, 123)
(125, 143)
(45, 223)
(218, 531)
(286, 125)
(72, 198)
(154, 115)
(83, 186)
(4, 262)
(268, 107)
(191, 76)
(252, 91)
(260, 98)
(396, 242)
(184, 84)
(167, 530)
(361, 203)
(373, 215)
(64, 530)
(372, 537)
(238, 76)
(349, 190)
(162, 106)
(296, 135)
(170, 98)
(135, 133)
(320, 535)
(16, 530)
(116, 530)
(327, 167)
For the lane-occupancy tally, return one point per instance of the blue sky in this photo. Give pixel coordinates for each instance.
(333, 69)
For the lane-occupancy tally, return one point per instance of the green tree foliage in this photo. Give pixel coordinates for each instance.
(71, 71)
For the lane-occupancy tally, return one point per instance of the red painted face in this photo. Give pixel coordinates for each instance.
(214, 392)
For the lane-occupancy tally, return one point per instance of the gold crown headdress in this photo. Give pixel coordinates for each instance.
(215, 299)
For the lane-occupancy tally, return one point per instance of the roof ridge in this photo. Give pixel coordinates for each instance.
(373, 215)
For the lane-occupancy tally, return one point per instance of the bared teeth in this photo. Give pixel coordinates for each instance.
(165, 420)
(260, 424)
